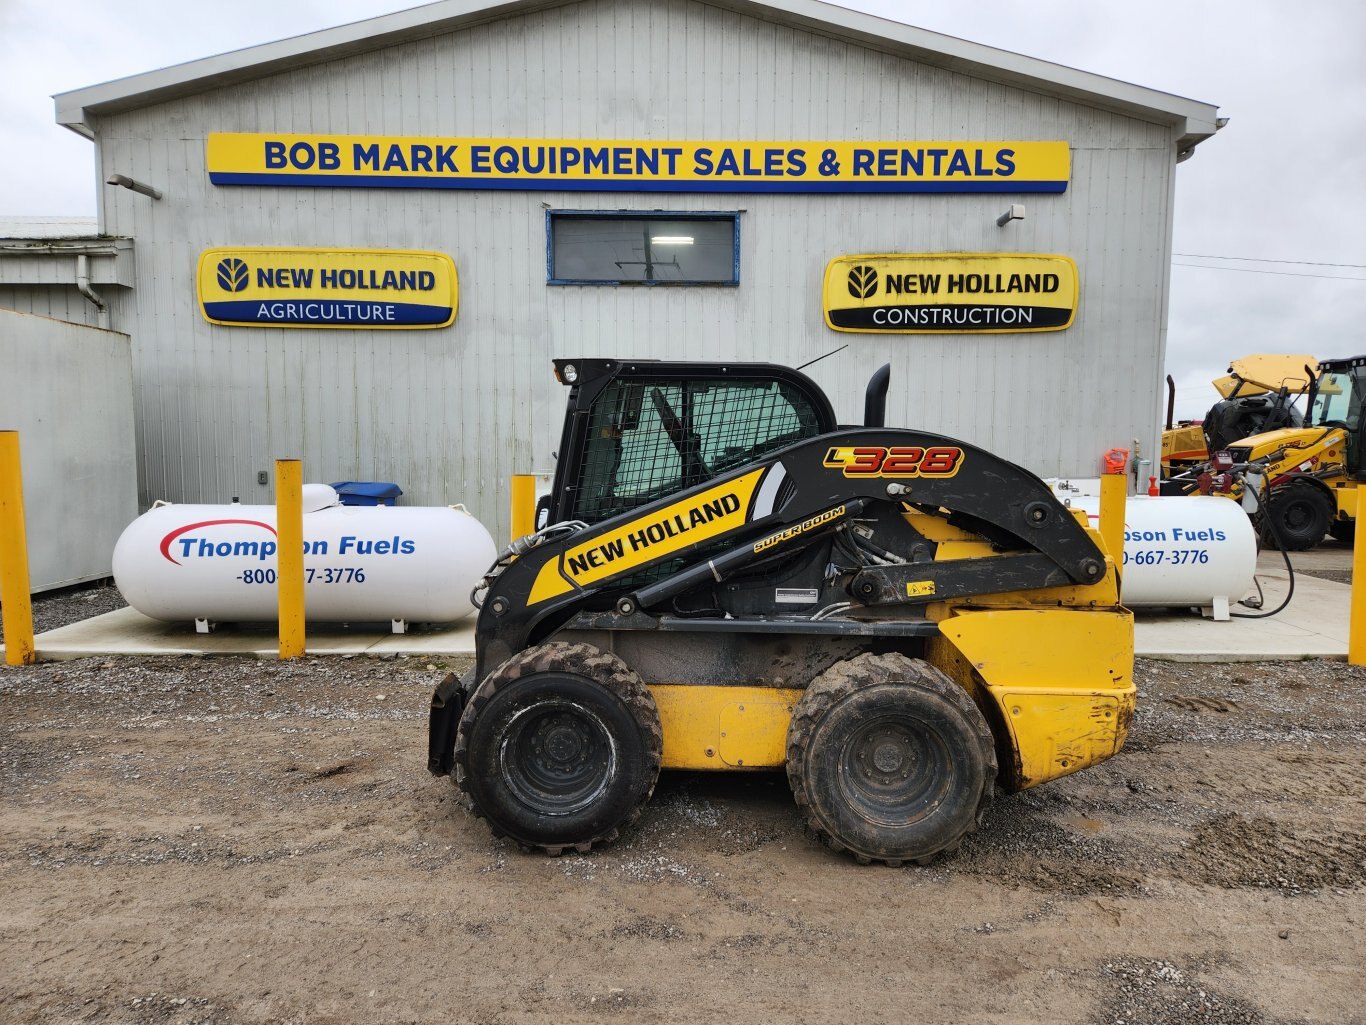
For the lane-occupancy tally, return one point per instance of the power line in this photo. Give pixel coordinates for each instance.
(1261, 259)
(1282, 273)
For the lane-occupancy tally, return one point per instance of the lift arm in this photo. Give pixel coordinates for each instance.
(780, 501)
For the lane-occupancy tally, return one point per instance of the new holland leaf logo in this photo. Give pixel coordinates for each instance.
(862, 282)
(232, 274)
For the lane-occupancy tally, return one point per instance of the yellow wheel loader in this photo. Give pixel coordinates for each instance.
(728, 580)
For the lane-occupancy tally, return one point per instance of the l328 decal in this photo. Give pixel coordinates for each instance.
(898, 461)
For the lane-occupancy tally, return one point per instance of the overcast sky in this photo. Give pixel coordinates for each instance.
(1278, 197)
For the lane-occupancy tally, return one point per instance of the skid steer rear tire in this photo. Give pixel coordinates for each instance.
(559, 747)
(889, 759)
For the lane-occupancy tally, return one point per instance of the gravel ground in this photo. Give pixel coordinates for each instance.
(52, 609)
(227, 840)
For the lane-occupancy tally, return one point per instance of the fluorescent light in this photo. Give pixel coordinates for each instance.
(671, 240)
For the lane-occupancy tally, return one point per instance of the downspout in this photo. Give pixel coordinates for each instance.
(83, 286)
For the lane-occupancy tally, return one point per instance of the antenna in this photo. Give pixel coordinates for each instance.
(819, 358)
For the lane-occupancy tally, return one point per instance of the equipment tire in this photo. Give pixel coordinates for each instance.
(889, 759)
(1302, 515)
(1344, 531)
(559, 747)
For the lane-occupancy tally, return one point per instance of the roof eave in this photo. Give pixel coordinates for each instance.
(78, 108)
(1191, 121)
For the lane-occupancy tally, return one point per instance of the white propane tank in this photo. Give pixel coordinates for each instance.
(361, 563)
(1198, 550)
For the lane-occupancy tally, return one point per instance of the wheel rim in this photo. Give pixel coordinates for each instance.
(557, 757)
(1298, 515)
(894, 769)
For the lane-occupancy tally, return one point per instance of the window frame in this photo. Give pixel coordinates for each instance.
(643, 215)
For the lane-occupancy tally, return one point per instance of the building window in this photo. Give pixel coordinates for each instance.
(632, 248)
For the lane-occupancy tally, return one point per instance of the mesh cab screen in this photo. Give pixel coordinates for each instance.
(649, 439)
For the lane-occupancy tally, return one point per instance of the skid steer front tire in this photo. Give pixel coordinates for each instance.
(889, 759)
(559, 747)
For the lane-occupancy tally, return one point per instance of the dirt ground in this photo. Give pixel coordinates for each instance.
(226, 841)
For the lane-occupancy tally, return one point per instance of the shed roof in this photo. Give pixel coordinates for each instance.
(1191, 120)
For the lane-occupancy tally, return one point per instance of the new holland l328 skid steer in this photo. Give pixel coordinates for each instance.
(729, 580)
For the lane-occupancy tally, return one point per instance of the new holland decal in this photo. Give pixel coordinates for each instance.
(714, 512)
(339, 288)
(950, 293)
(633, 165)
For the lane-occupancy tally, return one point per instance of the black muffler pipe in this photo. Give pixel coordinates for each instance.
(875, 399)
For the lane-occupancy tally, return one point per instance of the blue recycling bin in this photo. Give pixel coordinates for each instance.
(367, 492)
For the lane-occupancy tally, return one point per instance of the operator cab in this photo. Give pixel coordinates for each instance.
(1336, 400)
(637, 431)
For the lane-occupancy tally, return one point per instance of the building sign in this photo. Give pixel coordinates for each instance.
(941, 293)
(356, 288)
(636, 166)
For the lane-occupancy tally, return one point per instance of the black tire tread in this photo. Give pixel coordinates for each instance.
(1272, 538)
(869, 669)
(583, 660)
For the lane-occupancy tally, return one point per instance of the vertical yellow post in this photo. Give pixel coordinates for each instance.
(1113, 489)
(289, 528)
(523, 505)
(1356, 628)
(16, 605)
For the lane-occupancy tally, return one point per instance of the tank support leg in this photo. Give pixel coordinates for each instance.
(1217, 610)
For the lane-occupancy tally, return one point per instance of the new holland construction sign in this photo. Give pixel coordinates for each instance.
(950, 292)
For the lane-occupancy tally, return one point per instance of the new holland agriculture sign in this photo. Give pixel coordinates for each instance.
(345, 288)
(950, 292)
(431, 162)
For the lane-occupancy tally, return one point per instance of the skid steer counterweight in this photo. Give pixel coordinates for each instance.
(898, 619)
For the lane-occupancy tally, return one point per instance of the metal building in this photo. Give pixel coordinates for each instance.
(776, 138)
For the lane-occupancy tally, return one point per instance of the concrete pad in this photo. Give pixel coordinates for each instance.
(1314, 625)
(129, 632)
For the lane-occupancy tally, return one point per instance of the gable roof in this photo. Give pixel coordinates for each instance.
(1191, 120)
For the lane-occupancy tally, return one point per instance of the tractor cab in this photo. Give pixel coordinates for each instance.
(1336, 400)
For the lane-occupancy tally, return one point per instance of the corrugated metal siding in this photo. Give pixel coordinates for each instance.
(60, 302)
(74, 415)
(450, 413)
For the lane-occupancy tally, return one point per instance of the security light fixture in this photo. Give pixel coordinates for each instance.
(671, 240)
(1014, 212)
(135, 186)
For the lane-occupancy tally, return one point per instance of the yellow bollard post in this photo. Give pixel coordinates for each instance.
(523, 505)
(1113, 490)
(16, 603)
(289, 528)
(1356, 627)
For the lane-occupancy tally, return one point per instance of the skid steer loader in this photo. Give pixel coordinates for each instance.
(730, 581)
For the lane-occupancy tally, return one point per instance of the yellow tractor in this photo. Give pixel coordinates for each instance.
(1256, 395)
(731, 581)
(1304, 479)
